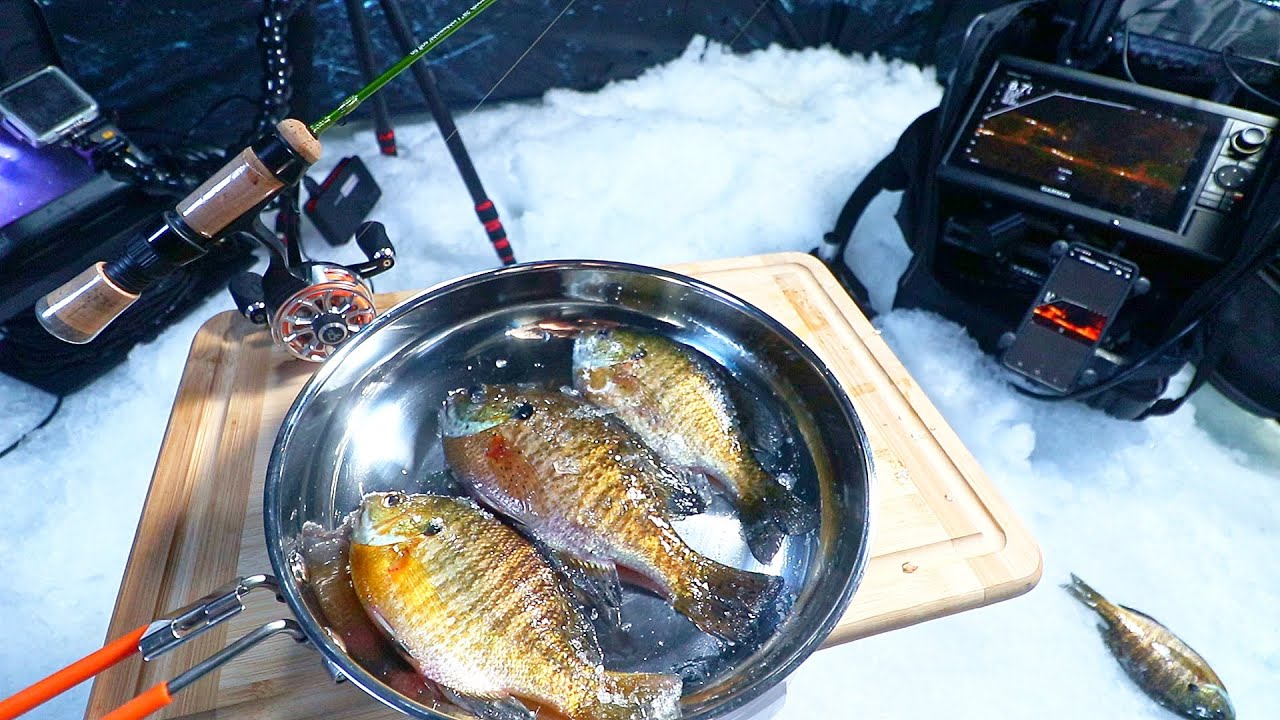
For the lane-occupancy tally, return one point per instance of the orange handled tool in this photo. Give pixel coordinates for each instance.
(143, 705)
(71, 675)
(153, 640)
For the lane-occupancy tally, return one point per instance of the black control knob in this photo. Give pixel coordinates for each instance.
(1248, 141)
(330, 328)
(1231, 177)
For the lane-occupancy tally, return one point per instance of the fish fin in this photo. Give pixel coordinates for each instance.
(1081, 591)
(637, 696)
(796, 516)
(685, 492)
(763, 535)
(583, 634)
(503, 707)
(594, 585)
(778, 512)
(1143, 615)
(724, 601)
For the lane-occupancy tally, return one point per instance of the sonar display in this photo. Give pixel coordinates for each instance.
(1105, 154)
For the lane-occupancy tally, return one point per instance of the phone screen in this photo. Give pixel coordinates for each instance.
(1070, 316)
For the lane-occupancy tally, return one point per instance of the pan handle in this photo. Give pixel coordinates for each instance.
(161, 694)
(154, 640)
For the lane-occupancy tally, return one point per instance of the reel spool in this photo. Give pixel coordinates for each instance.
(314, 308)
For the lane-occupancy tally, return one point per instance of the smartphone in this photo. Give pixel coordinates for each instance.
(44, 107)
(1070, 316)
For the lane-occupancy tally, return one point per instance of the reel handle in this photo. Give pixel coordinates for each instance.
(81, 308)
(373, 241)
(249, 297)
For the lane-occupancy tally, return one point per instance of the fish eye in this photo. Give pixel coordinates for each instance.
(604, 332)
(639, 353)
(523, 411)
(434, 526)
(1193, 688)
(391, 500)
(475, 393)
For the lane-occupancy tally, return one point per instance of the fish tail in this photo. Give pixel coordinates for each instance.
(725, 601)
(636, 696)
(1081, 591)
(775, 513)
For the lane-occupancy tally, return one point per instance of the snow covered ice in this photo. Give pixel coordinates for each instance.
(716, 155)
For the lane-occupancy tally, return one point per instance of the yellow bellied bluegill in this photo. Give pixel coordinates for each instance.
(674, 399)
(327, 555)
(582, 485)
(1164, 666)
(478, 610)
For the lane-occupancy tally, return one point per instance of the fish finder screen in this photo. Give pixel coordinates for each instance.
(1137, 162)
(1072, 320)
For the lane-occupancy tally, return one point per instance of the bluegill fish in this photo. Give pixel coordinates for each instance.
(1164, 666)
(478, 610)
(582, 485)
(674, 399)
(327, 555)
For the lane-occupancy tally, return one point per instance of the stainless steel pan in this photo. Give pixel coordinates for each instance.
(367, 421)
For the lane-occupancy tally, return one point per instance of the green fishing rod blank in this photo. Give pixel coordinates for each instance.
(353, 102)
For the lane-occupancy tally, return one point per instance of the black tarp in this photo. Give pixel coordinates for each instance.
(163, 63)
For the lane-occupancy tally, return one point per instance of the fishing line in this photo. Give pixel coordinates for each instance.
(747, 24)
(520, 59)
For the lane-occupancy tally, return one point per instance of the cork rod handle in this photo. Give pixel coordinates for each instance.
(83, 306)
(80, 309)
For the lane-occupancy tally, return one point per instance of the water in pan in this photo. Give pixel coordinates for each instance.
(391, 441)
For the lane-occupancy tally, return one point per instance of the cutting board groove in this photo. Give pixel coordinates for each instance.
(943, 539)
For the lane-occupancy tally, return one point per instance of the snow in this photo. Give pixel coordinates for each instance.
(716, 155)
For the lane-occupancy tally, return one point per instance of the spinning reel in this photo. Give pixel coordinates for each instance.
(313, 308)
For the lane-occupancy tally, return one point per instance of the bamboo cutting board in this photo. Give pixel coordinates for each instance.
(943, 539)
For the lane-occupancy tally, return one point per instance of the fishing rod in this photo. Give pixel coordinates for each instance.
(225, 204)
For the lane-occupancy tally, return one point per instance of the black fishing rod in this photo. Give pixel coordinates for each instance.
(484, 207)
(225, 204)
(382, 129)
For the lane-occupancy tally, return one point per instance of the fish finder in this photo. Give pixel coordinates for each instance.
(1153, 165)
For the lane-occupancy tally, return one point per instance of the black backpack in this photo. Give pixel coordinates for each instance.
(1229, 327)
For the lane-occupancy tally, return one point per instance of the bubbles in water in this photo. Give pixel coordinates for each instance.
(500, 363)
(696, 670)
(298, 567)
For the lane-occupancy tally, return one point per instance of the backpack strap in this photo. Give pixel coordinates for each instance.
(911, 162)
(1214, 339)
(893, 172)
(1218, 322)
